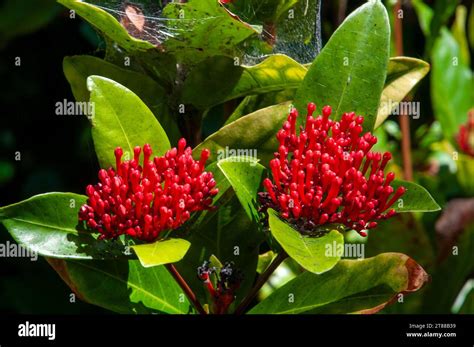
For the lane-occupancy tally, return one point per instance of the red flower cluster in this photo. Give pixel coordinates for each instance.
(143, 201)
(465, 136)
(331, 175)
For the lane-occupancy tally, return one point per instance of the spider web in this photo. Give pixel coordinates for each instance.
(297, 35)
(143, 20)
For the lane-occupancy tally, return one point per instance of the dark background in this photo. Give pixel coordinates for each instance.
(57, 151)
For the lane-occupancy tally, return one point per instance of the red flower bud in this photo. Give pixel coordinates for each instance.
(465, 137)
(328, 174)
(143, 201)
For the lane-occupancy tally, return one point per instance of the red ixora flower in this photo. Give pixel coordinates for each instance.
(328, 174)
(143, 201)
(465, 137)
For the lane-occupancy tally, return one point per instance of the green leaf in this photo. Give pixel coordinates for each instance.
(424, 14)
(415, 199)
(224, 195)
(245, 176)
(249, 102)
(277, 72)
(161, 252)
(205, 86)
(215, 262)
(107, 25)
(451, 85)
(352, 286)
(253, 103)
(442, 12)
(261, 11)
(403, 75)
(470, 26)
(464, 303)
(459, 32)
(122, 119)
(123, 286)
(206, 30)
(254, 132)
(48, 224)
(465, 173)
(264, 260)
(350, 71)
(315, 254)
(78, 68)
(403, 233)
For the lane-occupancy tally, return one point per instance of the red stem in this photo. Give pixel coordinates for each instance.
(187, 290)
(404, 119)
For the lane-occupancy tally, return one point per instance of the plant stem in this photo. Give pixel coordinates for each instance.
(404, 120)
(341, 11)
(269, 33)
(187, 290)
(261, 281)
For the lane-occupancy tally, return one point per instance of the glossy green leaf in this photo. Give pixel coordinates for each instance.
(277, 72)
(245, 175)
(202, 29)
(107, 25)
(451, 85)
(122, 119)
(48, 224)
(403, 75)
(350, 71)
(352, 286)
(205, 86)
(315, 254)
(254, 132)
(161, 252)
(415, 199)
(78, 68)
(123, 286)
